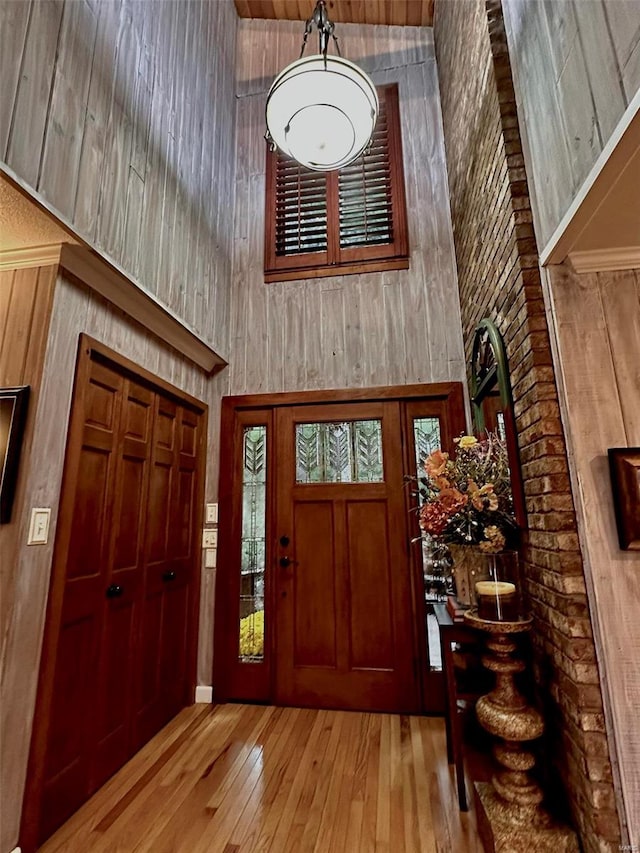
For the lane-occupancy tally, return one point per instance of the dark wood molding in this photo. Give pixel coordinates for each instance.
(432, 391)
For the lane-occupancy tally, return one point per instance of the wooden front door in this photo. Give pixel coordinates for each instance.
(119, 656)
(343, 616)
(322, 587)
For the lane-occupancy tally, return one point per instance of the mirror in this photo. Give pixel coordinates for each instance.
(492, 402)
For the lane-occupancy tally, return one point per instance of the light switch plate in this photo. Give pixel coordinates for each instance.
(209, 538)
(212, 514)
(210, 558)
(39, 525)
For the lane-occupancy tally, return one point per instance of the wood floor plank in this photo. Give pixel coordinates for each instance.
(255, 779)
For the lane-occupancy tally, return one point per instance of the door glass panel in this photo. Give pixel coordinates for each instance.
(342, 452)
(426, 439)
(254, 490)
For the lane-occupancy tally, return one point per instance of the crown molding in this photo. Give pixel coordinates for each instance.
(606, 260)
(32, 256)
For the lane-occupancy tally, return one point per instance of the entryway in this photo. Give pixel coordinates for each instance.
(320, 591)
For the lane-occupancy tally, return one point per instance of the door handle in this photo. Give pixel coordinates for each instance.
(114, 591)
(169, 576)
(285, 562)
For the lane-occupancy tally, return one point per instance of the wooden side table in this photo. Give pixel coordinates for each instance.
(458, 688)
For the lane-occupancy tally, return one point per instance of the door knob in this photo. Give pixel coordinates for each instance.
(285, 562)
(114, 591)
(169, 576)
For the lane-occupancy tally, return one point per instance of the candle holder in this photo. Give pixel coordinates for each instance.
(510, 814)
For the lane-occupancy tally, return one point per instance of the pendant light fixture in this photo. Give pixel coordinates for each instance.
(321, 110)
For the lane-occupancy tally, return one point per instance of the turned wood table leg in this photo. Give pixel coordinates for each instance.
(511, 818)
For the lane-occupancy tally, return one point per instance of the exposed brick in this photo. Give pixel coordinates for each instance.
(499, 277)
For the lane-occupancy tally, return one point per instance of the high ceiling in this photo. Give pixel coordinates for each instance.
(412, 13)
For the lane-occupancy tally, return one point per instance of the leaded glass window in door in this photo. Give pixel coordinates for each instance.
(426, 439)
(252, 563)
(339, 452)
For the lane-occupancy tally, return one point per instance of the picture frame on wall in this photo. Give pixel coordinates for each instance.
(13, 413)
(624, 464)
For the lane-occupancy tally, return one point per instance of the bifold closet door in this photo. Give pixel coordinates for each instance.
(124, 592)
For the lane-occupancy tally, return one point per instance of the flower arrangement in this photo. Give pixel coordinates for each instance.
(467, 499)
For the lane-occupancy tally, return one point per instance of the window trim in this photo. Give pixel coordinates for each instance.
(350, 260)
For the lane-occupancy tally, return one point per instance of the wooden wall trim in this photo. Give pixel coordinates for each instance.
(102, 274)
(606, 260)
(97, 349)
(106, 278)
(30, 256)
(432, 390)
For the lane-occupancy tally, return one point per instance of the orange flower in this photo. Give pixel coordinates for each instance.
(483, 498)
(452, 500)
(435, 463)
(440, 483)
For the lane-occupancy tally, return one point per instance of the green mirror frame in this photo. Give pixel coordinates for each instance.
(492, 402)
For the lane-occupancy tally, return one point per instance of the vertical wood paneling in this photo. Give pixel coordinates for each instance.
(25, 308)
(624, 24)
(76, 309)
(576, 67)
(66, 121)
(598, 331)
(31, 103)
(14, 18)
(346, 331)
(122, 114)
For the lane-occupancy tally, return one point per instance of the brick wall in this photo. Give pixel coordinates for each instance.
(499, 278)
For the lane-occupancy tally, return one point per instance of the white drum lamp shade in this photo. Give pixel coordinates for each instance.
(321, 110)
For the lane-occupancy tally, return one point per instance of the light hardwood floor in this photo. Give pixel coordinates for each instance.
(236, 778)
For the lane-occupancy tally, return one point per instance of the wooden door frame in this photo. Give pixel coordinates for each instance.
(450, 395)
(90, 350)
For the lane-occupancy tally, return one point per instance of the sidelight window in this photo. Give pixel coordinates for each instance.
(252, 565)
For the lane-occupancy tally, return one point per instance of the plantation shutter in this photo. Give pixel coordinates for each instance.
(336, 223)
(301, 209)
(364, 193)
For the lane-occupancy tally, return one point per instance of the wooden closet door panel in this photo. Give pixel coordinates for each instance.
(177, 580)
(67, 769)
(119, 660)
(150, 715)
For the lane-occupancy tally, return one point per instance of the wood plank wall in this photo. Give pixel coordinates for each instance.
(597, 322)
(121, 114)
(358, 330)
(25, 308)
(75, 309)
(576, 67)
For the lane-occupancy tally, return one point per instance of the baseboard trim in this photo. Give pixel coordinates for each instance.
(204, 694)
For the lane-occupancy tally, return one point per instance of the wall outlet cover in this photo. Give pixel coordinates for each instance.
(39, 525)
(209, 538)
(211, 516)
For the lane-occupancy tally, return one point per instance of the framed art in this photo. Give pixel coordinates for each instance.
(624, 464)
(13, 412)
